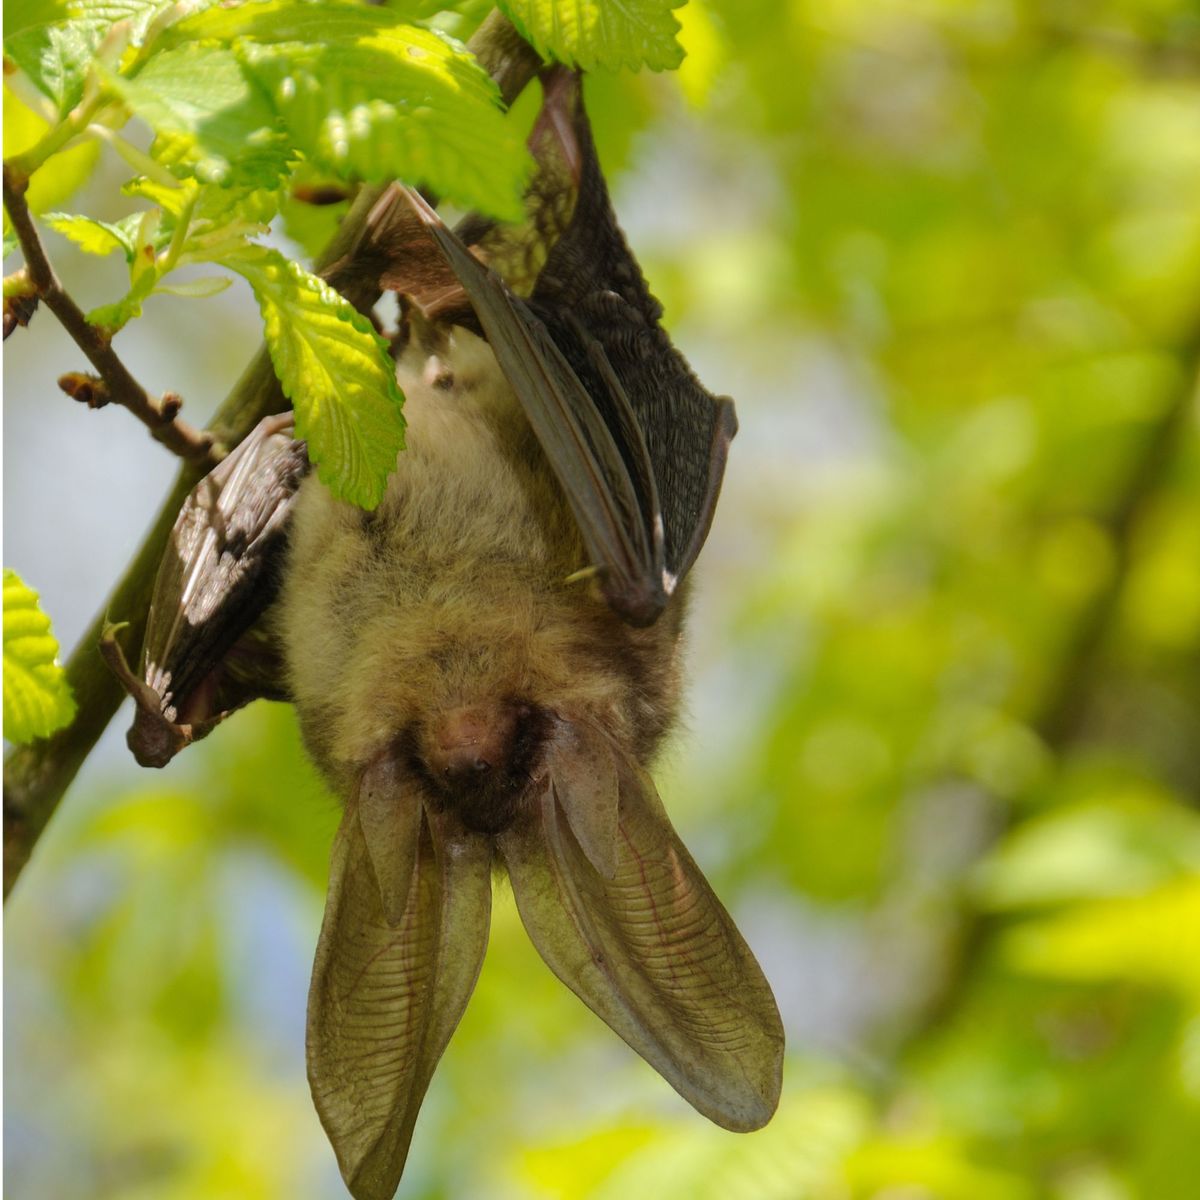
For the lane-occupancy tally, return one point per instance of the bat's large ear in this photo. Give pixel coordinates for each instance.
(650, 950)
(404, 934)
(398, 248)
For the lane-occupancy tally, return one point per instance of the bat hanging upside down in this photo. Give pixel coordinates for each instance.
(484, 666)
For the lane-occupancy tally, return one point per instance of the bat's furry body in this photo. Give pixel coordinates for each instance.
(455, 591)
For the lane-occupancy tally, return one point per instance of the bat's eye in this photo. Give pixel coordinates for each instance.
(482, 757)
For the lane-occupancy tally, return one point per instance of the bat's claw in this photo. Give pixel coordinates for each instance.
(153, 738)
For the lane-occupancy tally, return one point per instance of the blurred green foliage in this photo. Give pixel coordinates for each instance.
(951, 756)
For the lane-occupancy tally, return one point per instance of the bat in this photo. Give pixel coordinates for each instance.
(485, 666)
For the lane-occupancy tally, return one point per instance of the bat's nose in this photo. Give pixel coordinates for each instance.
(470, 742)
(484, 756)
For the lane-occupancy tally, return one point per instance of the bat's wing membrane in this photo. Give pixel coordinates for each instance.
(203, 657)
(648, 948)
(401, 945)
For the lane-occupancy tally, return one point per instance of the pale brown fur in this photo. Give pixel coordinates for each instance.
(455, 591)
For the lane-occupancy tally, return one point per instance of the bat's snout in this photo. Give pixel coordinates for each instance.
(482, 757)
(469, 742)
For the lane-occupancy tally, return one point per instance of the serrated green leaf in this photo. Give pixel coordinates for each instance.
(55, 43)
(335, 369)
(209, 116)
(401, 104)
(37, 698)
(601, 33)
(97, 237)
(366, 96)
(269, 21)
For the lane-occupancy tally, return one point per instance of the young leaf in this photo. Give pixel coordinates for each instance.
(209, 115)
(335, 369)
(600, 33)
(172, 200)
(97, 237)
(54, 42)
(37, 698)
(366, 96)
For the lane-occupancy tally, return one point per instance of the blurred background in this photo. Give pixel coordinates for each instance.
(942, 760)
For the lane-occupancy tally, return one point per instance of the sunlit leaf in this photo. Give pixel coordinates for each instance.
(400, 104)
(97, 237)
(54, 43)
(595, 33)
(37, 698)
(210, 114)
(335, 369)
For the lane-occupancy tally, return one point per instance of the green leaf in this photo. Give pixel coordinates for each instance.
(404, 104)
(37, 698)
(97, 237)
(209, 116)
(335, 369)
(268, 21)
(601, 33)
(171, 200)
(366, 96)
(10, 242)
(55, 43)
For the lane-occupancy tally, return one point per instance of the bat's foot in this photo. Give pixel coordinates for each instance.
(153, 738)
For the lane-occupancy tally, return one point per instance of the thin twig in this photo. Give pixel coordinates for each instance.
(120, 386)
(36, 776)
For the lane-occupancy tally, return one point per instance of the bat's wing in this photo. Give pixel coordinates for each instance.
(636, 442)
(403, 939)
(203, 657)
(595, 302)
(633, 928)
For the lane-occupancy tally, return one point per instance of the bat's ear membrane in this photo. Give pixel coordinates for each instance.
(583, 775)
(401, 945)
(649, 948)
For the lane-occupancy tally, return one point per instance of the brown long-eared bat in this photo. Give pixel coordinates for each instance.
(485, 666)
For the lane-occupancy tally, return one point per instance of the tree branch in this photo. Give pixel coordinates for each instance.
(36, 776)
(119, 385)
